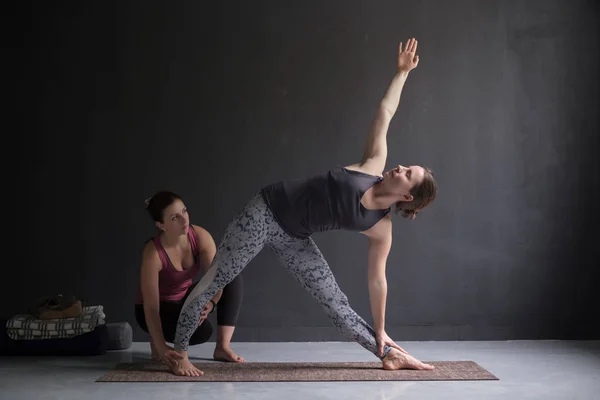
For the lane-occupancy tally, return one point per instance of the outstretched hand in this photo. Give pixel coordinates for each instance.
(407, 60)
(382, 340)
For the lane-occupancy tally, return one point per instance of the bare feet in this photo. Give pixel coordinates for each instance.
(183, 366)
(397, 360)
(223, 351)
(226, 354)
(178, 362)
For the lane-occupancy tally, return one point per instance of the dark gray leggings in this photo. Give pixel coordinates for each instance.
(252, 228)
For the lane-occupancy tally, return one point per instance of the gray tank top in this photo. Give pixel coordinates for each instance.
(324, 202)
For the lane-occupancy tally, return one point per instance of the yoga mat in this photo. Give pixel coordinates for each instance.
(297, 372)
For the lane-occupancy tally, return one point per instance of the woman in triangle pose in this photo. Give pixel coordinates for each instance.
(282, 216)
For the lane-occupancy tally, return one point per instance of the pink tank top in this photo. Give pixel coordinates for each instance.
(173, 284)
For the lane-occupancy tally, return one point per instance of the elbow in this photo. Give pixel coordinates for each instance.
(150, 307)
(386, 110)
(378, 282)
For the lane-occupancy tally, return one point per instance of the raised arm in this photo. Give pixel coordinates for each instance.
(375, 155)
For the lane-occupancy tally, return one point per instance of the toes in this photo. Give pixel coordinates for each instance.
(227, 357)
(424, 366)
(413, 363)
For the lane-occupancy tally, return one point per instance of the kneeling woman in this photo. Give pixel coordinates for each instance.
(170, 261)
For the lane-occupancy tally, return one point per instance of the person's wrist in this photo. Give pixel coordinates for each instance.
(161, 347)
(214, 305)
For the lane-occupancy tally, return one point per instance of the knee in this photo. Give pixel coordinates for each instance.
(341, 300)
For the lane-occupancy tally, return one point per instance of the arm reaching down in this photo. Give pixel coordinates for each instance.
(375, 154)
(149, 285)
(380, 243)
(151, 266)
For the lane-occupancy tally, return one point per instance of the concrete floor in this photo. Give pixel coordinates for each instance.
(526, 369)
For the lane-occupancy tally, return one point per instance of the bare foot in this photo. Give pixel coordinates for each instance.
(226, 354)
(397, 360)
(183, 367)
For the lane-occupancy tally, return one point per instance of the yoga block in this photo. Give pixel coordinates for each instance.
(120, 335)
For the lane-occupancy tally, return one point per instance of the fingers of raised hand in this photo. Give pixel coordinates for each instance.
(410, 47)
(414, 46)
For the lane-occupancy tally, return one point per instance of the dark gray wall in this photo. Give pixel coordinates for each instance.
(215, 100)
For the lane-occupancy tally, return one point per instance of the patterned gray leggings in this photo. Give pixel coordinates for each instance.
(251, 229)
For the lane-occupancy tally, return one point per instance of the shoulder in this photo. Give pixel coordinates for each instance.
(150, 256)
(149, 249)
(200, 232)
(204, 237)
(365, 168)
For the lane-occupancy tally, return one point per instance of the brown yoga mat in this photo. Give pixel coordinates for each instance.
(297, 372)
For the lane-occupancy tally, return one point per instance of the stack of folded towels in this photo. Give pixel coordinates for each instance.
(30, 327)
(62, 326)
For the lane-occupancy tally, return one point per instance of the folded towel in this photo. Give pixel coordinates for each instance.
(23, 327)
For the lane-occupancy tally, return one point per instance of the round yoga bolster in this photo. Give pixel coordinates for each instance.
(120, 335)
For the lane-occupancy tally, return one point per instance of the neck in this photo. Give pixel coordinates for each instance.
(380, 199)
(171, 240)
